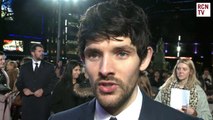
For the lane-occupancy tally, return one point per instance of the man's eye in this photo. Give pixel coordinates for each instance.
(92, 56)
(122, 54)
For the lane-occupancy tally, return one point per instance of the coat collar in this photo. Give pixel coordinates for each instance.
(146, 107)
(89, 113)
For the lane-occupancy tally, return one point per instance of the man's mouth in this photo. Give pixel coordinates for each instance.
(107, 87)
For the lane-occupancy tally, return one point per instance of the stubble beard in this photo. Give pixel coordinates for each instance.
(117, 99)
(39, 58)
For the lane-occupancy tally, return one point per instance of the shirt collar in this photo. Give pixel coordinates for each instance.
(39, 62)
(101, 114)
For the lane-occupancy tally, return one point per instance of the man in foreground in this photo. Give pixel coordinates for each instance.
(114, 45)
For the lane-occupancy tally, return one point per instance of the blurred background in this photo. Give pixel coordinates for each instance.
(176, 31)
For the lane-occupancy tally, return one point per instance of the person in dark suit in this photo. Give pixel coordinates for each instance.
(114, 46)
(36, 82)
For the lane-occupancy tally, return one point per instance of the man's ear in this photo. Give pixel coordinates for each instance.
(147, 59)
(32, 53)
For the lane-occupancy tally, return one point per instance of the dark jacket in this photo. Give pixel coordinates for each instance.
(34, 108)
(151, 110)
(69, 97)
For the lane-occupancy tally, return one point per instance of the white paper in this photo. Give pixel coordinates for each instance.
(179, 98)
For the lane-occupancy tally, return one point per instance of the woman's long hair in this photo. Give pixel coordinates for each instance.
(144, 84)
(192, 79)
(67, 77)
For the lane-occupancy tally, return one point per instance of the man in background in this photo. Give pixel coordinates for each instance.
(36, 82)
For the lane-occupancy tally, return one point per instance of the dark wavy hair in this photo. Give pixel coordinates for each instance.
(34, 46)
(67, 75)
(115, 18)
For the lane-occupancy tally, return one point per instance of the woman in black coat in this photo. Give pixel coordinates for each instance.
(68, 92)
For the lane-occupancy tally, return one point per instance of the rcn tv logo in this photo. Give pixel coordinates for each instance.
(203, 9)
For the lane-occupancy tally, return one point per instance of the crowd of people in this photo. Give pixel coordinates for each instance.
(73, 87)
(110, 82)
(35, 94)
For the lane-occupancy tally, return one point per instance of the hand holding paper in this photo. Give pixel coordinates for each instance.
(179, 98)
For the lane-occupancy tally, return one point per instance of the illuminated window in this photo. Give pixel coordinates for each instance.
(6, 10)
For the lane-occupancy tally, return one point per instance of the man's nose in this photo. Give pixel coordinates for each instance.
(106, 66)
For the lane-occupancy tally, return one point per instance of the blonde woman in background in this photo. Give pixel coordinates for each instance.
(4, 94)
(12, 71)
(184, 77)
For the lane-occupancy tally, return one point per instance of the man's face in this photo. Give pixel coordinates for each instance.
(113, 70)
(2, 61)
(38, 53)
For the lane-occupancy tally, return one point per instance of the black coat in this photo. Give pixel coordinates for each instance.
(151, 110)
(65, 97)
(34, 108)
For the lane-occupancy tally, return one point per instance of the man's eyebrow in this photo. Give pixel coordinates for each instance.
(125, 47)
(116, 39)
(89, 50)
